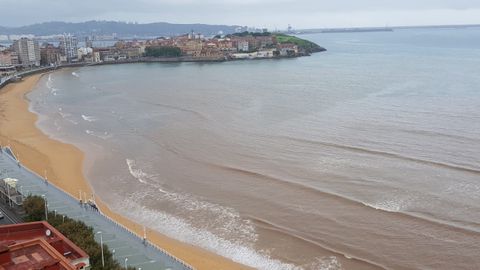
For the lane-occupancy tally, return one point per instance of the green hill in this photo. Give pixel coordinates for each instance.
(306, 45)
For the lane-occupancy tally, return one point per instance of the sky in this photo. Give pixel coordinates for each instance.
(272, 14)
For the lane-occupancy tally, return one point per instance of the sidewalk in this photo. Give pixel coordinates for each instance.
(123, 243)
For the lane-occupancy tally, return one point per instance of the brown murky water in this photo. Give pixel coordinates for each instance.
(364, 157)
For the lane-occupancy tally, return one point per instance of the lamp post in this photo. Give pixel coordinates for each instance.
(101, 247)
(113, 254)
(46, 209)
(8, 194)
(126, 260)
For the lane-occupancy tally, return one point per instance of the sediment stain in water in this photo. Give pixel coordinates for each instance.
(364, 157)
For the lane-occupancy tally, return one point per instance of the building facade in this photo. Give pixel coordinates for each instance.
(50, 55)
(69, 47)
(28, 51)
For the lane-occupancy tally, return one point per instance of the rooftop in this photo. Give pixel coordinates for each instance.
(18, 234)
(33, 254)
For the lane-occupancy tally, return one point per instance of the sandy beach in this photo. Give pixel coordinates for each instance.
(63, 166)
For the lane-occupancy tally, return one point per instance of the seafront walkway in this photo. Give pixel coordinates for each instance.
(127, 247)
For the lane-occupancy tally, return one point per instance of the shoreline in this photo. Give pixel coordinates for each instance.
(145, 60)
(62, 163)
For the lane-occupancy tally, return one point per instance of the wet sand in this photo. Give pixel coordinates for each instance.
(63, 166)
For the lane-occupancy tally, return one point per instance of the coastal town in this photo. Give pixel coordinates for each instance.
(66, 49)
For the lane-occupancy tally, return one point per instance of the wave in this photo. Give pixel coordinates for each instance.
(178, 108)
(49, 85)
(319, 261)
(49, 81)
(391, 205)
(185, 231)
(104, 136)
(54, 91)
(66, 116)
(223, 231)
(89, 118)
(137, 173)
(388, 154)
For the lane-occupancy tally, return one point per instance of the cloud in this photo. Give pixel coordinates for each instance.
(270, 13)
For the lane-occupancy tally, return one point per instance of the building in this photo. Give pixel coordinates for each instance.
(243, 46)
(50, 55)
(10, 194)
(38, 245)
(8, 58)
(28, 51)
(85, 54)
(69, 47)
(288, 49)
(88, 42)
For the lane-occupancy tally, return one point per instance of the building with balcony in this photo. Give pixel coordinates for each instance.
(28, 51)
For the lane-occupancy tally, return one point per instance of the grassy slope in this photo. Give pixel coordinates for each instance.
(308, 46)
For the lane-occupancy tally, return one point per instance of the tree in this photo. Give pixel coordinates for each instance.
(34, 207)
(163, 51)
(77, 231)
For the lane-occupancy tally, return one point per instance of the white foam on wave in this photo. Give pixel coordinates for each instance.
(66, 116)
(211, 226)
(104, 136)
(389, 205)
(49, 81)
(57, 125)
(184, 231)
(137, 173)
(54, 91)
(75, 74)
(49, 84)
(324, 263)
(89, 118)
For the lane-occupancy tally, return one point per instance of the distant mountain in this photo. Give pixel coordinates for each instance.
(122, 29)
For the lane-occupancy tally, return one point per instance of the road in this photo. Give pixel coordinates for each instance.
(8, 216)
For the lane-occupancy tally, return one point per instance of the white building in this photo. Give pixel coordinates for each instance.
(69, 46)
(243, 46)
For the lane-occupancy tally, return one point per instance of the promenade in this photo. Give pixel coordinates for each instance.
(127, 247)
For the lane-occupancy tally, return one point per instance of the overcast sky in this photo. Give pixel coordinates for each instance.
(259, 13)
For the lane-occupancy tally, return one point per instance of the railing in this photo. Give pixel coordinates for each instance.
(186, 266)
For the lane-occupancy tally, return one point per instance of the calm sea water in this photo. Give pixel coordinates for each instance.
(363, 157)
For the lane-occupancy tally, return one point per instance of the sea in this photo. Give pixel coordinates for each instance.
(366, 156)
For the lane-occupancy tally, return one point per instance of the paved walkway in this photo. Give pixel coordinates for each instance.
(122, 242)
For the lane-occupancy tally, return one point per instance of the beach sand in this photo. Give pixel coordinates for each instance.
(63, 165)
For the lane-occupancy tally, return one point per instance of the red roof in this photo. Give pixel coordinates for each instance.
(33, 254)
(18, 234)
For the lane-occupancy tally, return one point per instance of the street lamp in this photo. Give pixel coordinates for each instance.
(126, 260)
(113, 254)
(46, 209)
(101, 247)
